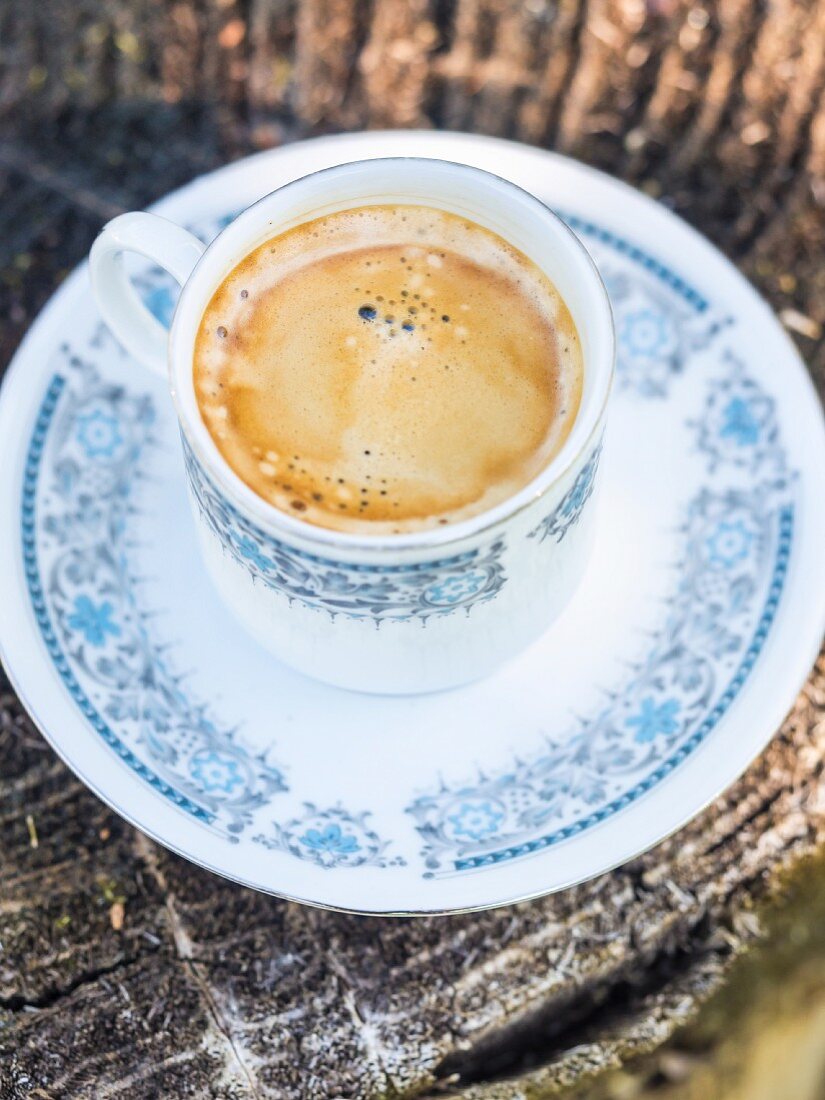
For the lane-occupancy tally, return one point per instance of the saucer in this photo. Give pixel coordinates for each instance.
(700, 615)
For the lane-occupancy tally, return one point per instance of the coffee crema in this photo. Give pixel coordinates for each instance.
(387, 369)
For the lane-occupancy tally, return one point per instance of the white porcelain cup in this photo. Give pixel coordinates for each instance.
(397, 613)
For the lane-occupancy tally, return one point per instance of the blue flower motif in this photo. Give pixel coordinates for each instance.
(455, 589)
(740, 424)
(476, 820)
(330, 839)
(644, 334)
(93, 621)
(729, 544)
(652, 720)
(252, 552)
(98, 434)
(161, 304)
(215, 771)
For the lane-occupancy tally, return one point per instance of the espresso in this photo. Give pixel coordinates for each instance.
(387, 369)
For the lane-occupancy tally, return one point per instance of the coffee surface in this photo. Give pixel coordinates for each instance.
(387, 369)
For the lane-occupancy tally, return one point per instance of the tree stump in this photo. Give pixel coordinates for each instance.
(126, 971)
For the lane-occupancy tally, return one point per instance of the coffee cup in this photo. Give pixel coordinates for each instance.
(408, 612)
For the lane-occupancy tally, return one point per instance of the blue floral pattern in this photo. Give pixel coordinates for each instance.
(656, 334)
(82, 485)
(654, 719)
(556, 525)
(453, 590)
(740, 423)
(476, 818)
(587, 773)
(738, 426)
(646, 334)
(83, 472)
(412, 592)
(85, 603)
(215, 771)
(99, 434)
(731, 574)
(92, 620)
(729, 544)
(331, 838)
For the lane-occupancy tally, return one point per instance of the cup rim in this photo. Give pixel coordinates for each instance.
(281, 525)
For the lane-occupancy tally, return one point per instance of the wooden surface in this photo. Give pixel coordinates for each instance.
(126, 971)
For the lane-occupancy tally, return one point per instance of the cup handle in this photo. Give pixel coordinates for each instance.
(159, 240)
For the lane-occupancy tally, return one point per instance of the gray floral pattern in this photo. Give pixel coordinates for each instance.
(99, 636)
(556, 525)
(86, 604)
(81, 493)
(590, 771)
(731, 573)
(656, 335)
(412, 592)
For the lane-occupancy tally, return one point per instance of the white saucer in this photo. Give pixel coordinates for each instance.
(699, 618)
